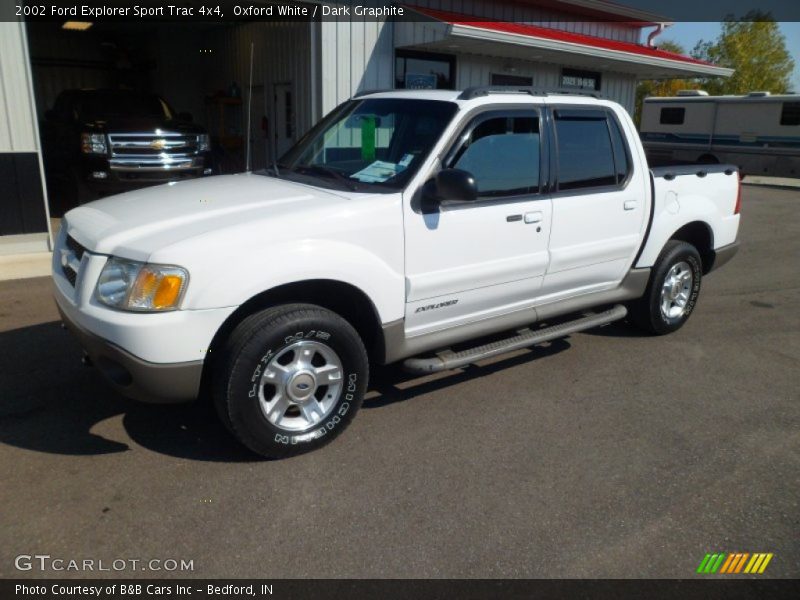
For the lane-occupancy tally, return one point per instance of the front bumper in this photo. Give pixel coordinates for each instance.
(136, 378)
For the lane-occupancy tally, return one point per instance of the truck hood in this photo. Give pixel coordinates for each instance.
(135, 224)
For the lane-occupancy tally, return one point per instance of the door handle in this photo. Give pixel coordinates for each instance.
(534, 217)
(630, 204)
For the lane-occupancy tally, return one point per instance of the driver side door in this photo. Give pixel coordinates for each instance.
(473, 260)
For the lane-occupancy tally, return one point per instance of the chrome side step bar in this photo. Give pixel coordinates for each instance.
(448, 359)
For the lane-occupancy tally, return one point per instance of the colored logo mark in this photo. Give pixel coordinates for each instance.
(737, 562)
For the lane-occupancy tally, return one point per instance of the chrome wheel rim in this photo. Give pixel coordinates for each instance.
(300, 385)
(676, 291)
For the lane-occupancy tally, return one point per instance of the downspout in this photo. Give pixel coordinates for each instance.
(660, 27)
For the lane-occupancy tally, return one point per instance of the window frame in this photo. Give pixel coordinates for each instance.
(473, 122)
(608, 114)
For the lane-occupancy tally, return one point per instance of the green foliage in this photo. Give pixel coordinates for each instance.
(756, 49)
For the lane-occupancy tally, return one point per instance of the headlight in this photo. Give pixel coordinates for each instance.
(203, 142)
(131, 285)
(93, 143)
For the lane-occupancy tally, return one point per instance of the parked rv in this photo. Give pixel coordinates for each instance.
(759, 132)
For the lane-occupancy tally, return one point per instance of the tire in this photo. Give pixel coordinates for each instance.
(320, 372)
(672, 291)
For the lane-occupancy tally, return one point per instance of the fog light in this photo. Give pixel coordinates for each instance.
(99, 174)
(206, 171)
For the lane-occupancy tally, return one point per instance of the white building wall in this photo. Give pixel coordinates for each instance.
(357, 56)
(18, 127)
(474, 70)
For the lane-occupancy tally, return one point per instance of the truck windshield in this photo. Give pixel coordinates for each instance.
(369, 145)
(105, 104)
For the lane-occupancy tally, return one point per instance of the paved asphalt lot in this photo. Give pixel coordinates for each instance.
(606, 455)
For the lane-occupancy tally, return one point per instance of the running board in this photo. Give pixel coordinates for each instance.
(448, 359)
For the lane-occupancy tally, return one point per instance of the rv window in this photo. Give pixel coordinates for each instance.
(672, 116)
(790, 115)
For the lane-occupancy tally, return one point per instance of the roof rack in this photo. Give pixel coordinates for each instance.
(485, 90)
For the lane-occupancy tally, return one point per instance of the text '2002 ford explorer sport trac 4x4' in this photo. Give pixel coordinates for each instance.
(400, 225)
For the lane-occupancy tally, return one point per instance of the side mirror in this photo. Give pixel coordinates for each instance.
(452, 185)
(185, 116)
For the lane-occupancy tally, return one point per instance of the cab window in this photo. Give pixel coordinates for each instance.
(503, 154)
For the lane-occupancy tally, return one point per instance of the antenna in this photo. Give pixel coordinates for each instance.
(249, 104)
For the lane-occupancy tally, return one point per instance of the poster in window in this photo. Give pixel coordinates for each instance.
(415, 81)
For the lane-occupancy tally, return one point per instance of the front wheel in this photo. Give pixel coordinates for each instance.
(290, 379)
(672, 292)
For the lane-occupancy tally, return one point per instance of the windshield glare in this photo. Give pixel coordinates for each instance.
(366, 143)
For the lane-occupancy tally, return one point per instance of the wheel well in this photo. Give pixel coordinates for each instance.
(346, 300)
(699, 235)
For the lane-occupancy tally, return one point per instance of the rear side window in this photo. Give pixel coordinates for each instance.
(790, 114)
(672, 115)
(502, 153)
(585, 151)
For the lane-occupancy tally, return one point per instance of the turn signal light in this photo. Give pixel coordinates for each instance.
(167, 292)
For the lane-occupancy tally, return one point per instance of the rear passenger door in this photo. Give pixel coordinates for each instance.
(599, 202)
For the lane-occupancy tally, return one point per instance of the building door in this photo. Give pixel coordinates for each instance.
(283, 130)
(467, 261)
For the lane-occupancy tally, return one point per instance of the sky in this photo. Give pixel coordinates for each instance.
(688, 34)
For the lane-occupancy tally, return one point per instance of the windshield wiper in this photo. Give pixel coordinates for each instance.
(323, 170)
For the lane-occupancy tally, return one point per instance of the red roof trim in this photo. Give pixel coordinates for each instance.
(556, 35)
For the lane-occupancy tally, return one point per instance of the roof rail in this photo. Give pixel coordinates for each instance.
(485, 90)
(381, 91)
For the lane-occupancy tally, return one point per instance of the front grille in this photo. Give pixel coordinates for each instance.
(134, 151)
(71, 275)
(76, 248)
(67, 266)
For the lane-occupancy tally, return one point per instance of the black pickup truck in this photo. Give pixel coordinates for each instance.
(100, 142)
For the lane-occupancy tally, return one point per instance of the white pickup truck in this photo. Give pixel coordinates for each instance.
(402, 224)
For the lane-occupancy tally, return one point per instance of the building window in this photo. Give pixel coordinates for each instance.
(576, 79)
(513, 80)
(790, 114)
(424, 71)
(672, 116)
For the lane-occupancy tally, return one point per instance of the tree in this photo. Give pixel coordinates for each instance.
(661, 87)
(756, 49)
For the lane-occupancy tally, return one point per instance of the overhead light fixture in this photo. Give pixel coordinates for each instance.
(77, 25)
